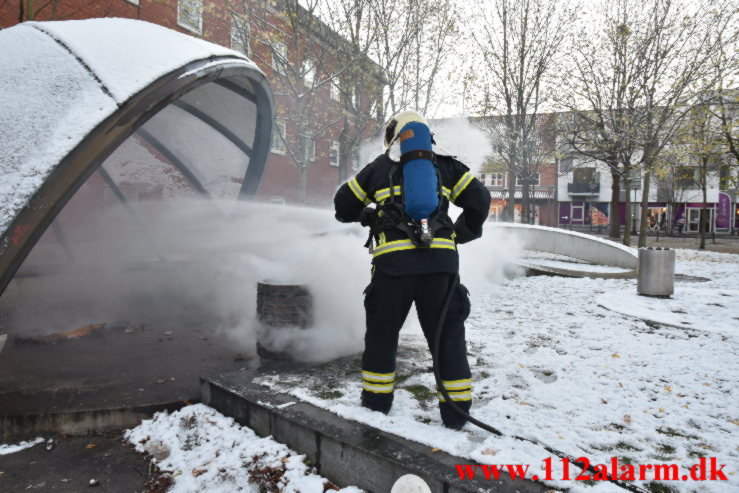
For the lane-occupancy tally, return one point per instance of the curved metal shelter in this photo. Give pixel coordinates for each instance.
(116, 110)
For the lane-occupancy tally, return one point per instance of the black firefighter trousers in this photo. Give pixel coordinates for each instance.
(387, 302)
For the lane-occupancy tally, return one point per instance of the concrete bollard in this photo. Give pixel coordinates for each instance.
(656, 272)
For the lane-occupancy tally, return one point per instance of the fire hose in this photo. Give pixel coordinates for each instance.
(435, 356)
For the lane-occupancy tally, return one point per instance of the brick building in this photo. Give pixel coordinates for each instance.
(250, 26)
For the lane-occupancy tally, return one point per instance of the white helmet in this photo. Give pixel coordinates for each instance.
(397, 122)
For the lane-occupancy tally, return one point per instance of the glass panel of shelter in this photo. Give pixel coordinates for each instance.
(100, 254)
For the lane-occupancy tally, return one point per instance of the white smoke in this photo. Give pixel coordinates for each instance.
(453, 137)
(190, 263)
(456, 137)
(185, 260)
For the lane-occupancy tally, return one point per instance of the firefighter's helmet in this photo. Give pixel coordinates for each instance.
(398, 121)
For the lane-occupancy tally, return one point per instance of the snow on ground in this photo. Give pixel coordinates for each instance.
(205, 451)
(552, 365)
(689, 308)
(6, 449)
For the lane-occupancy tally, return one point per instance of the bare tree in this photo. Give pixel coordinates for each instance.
(433, 28)
(519, 42)
(670, 180)
(700, 137)
(679, 44)
(724, 104)
(538, 150)
(29, 10)
(604, 99)
(362, 80)
(308, 63)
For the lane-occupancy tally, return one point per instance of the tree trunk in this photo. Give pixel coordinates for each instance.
(629, 220)
(644, 209)
(511, 196)
(302, 183)
(614, 221)
(704, 212)
(344, 152)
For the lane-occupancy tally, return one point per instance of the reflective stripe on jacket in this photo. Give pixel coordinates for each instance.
(395, 254)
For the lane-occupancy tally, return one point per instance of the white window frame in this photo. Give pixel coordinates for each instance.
(278, 144)
(497, 179)
(536, 182)
(279, 57)
(311, 154)
(309, 71)
(241, 35)
(334, 153)
(185, 23)
(268, 4)
(335, 90)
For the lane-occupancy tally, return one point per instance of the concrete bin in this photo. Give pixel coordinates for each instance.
(280, 307)
(656, 272)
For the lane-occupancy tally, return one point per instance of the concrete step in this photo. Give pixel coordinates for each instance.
(346, 452)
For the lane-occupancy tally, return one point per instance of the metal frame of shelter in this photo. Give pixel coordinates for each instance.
(86, 158)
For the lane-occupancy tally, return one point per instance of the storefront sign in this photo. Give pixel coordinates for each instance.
(723, 214)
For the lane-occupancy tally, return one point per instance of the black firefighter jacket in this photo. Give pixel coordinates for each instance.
(395, 254)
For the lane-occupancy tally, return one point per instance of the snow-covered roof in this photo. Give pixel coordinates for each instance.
(59, 81)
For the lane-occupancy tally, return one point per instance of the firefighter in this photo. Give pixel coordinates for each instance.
(407, 268)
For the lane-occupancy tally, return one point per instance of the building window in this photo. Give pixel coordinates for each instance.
(496, 179)
(333, 153)
(240, 34)
(583, 176)
(566, 165)
(685, 178)
(335, 90)
(534, 180)
(482, 178)
(310, 147)
(279, 57)
(279, 134)
(724, 177)
(309, 72)
(190, 15)
(268, 4)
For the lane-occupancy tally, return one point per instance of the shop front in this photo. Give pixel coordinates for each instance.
(584, 214)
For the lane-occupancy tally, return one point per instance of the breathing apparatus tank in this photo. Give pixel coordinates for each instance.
(420, 177)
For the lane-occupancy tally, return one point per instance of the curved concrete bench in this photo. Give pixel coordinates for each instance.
(570, 243)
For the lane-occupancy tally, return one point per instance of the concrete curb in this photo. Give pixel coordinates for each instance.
(346, 452)
(84, 422)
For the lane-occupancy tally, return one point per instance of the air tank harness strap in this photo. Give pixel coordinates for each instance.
(418, 154)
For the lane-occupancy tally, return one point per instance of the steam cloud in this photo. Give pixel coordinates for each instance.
(196, 262)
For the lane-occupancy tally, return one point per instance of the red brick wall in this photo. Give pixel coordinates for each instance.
(548, 175)
(281, 175)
